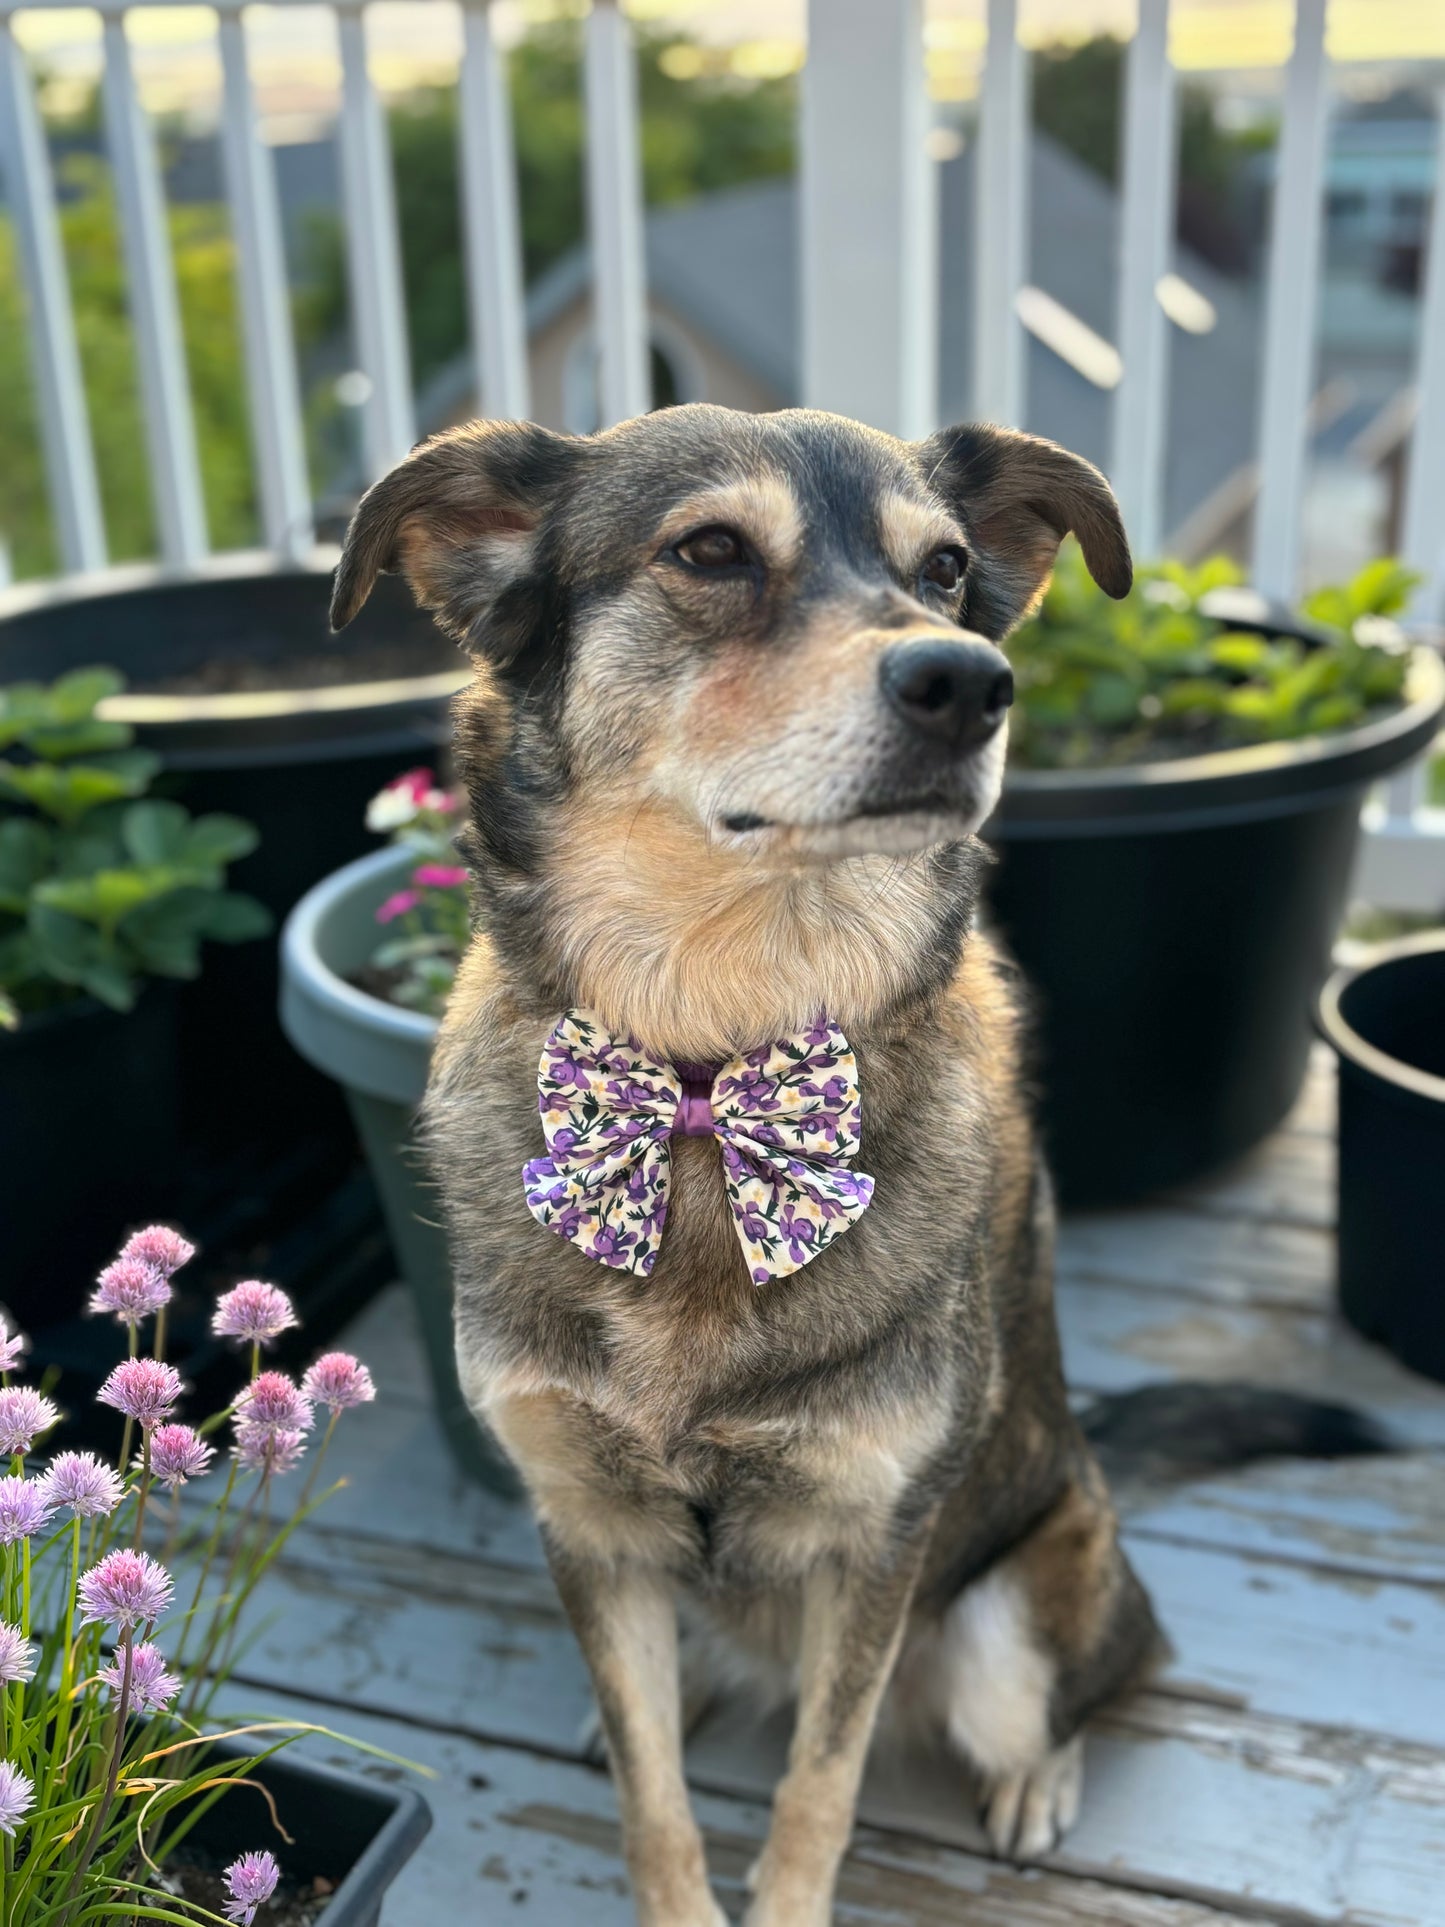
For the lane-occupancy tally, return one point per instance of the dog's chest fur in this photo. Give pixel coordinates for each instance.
(731, 1428)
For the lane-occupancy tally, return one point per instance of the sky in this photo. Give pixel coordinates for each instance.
(416, 42)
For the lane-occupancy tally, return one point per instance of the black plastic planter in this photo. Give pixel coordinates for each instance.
(89, 1132)
(1175, 921)
(1385, 1019)
(354, 1833)
(299, 762)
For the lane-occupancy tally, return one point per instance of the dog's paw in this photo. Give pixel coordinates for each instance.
(1027, 1814)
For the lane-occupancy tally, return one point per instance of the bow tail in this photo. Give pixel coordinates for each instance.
(612, 1207)
(787, 1209)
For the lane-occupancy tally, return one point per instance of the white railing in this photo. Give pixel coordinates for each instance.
(868, 272)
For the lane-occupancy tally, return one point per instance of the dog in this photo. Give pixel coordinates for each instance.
(739, 709)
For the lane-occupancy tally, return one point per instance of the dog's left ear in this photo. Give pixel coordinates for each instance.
(459, 519)
(1017, 497)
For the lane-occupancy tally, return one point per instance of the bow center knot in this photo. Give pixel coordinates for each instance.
(788, 1116)
(694, 1110)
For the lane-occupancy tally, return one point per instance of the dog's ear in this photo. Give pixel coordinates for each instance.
(1018, 496)
(459, 519)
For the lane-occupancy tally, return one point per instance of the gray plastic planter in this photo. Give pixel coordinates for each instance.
(379, 1054)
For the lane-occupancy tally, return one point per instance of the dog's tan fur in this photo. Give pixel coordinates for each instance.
(692, 813)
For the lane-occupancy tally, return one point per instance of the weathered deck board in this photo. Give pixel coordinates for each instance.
(1236, 1261)
(459, 1642)
(1290, 1179)
(1179, 1786)
(518, 1837)
(1384, 1516)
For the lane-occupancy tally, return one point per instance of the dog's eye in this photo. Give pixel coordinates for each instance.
(713, 548)
(944, 569)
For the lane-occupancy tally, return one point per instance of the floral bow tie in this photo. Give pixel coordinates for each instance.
(787, 1116)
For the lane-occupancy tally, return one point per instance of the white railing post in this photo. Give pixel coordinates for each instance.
(1001, 256)
(373, 254)
(59, 386)
(1297, 223)
(491, 239)
(1423, 536)
(274, 392)
(869, 236)
(614, 216)
(1141, 402)
(150, 279)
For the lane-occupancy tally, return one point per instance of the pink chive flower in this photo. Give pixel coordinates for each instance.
(397, 905)
(178, 1454)
(23, 1413)
(17, 1656)
(24, 1508)
(151, 1686)
(79, 1481)
(144, 1389)
(439, 876)
(124, 1589)
(249, 1881)
(253, 1311)
(130, 1290)
(17, 1796)
(265, 1448)
(338, 1381)
(12, 1348)
(160, 1247)
(272, 1402)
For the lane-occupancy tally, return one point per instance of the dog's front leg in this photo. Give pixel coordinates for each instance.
(853, 1619)
(625, 1618)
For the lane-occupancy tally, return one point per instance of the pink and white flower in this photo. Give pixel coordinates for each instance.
(144, 1389)
(338, 1381)
(152, 1687)
(178, 1453)
(25, 1506)
(158, 1245)
(253, 1311)
(23, 1413)
(131, 1289)
(17, 1796)
(17, 1656)
(79, 1482)
(250, 1881)
(126, 1589)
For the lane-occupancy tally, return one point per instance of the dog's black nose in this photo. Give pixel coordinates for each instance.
(956, 692)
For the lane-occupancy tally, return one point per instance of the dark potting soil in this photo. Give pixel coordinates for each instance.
(382, 660)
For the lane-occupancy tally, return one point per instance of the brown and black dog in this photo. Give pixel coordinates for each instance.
(739, 707)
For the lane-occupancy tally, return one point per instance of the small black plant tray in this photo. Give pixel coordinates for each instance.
(353, 1831)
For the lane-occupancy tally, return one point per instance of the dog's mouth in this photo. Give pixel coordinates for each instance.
(888, 824)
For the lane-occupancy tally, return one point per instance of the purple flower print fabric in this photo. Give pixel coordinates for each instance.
(788, 1116)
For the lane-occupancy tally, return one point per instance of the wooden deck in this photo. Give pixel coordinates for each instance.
(1290, 1767)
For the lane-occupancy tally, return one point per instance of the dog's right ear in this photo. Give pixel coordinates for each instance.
(459, 518)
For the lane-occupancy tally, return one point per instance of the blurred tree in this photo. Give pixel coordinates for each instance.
(201, 246)
(698, 133)
(1078, 100)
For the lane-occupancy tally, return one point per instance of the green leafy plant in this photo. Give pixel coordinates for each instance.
(101, 885)
(1153, 676)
